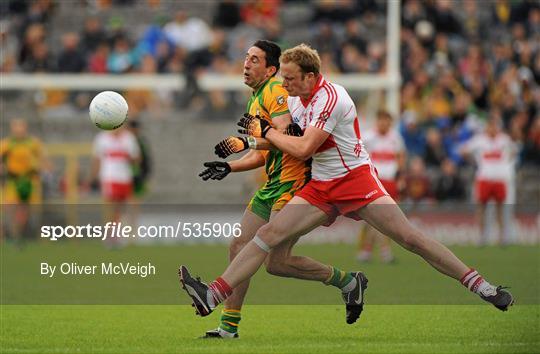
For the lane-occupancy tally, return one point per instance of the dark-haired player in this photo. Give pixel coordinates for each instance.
(286, 174)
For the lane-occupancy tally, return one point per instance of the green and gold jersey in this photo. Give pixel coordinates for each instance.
(270, 101)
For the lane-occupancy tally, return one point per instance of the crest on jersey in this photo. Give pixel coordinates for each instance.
(280, 100)
(323, 117)
(357, 149)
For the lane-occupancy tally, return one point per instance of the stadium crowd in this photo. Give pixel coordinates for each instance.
(462, 62)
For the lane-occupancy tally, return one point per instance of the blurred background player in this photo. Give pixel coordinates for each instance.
(494, 154)
(387, 152)
(114, 154)
(22, 160)
(142, 169)
(285, 174)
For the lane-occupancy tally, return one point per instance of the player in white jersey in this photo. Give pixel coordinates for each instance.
(387, 151)
(114, 153)
(344, 182)
(494, 154)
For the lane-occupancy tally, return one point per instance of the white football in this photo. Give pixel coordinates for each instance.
(108, 110)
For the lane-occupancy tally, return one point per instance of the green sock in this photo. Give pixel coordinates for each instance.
(339, 278)
(230, 320)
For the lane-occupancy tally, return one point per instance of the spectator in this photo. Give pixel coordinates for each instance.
(33, 35)
(352, 60)
(435, 152)
(40, 60)
(188, 33)
(92, 35)
(354, 36)
(153, 37)
(449, 186)
(501, 12)
(531, 148)
(418, 186)
(8, 48)
(227, 14)
(99, 58)
(533, 23)
(474, 23)
(412, 134)
(443, 17)
(325, 39)
(257, 12)
(122, 59)
(71, 60)
(412, 13)
(334, 11)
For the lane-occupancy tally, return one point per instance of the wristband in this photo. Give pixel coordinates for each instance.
(252, 142)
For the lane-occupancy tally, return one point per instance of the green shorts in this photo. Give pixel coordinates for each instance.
(274, 197)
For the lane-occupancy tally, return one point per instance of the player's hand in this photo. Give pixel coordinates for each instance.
(231, 145)
(254, 126)
(293, 129)
(215, 170)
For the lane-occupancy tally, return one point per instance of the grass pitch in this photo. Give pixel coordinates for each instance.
(271, 329)
(410, 308)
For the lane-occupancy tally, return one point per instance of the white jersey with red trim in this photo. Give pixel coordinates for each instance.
(331, 109)
(494, 156)
(115, 153)
(384, 151)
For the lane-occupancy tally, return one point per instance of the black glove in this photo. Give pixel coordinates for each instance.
(254, 126)
(231, 145)
(293, 129)
(216, 170)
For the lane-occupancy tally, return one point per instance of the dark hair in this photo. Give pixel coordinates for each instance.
(272, 51)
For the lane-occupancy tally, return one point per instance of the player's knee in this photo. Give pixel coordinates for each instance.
(272, 234)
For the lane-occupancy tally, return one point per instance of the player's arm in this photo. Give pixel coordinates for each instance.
(302, 147)
(217, 170)
(275, 103)
(250, 161)
(234, 144)
(280, 123)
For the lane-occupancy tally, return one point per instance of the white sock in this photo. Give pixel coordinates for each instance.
(486, 289)
(477, 284)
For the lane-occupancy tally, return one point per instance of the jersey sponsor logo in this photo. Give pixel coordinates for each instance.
(280, 99)
(493, 155)
(383, 156)
(371, 194)
(296, 120)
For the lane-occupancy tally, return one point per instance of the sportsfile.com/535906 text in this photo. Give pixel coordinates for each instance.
(120, 230)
